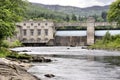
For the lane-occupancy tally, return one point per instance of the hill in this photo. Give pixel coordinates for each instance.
(35, 11)
(75, 10)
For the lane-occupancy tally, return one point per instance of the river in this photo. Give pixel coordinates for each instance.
(74, 63)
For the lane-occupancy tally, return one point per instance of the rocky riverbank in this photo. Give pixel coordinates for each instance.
(12, 70)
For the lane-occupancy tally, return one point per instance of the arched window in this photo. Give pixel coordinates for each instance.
(24, 39)
(31, 40)
(38, 24)
(39, 39)
(24, 24)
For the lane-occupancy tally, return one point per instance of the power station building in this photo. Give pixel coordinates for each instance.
(35, 32)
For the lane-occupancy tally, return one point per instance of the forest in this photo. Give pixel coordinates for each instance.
(37, 12)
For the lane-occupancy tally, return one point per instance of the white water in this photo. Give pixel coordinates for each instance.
(74, 63)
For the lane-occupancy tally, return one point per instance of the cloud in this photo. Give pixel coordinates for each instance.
(77, 3)
(89, 3)
(105, 1)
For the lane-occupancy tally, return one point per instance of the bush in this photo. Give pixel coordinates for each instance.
(16, 43)
(107, 37)
(19, 56)
(8, 44)
(24, 56)
(4, 52)
(108, 42)
(5, 44)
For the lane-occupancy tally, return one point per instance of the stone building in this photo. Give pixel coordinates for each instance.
(34, 32)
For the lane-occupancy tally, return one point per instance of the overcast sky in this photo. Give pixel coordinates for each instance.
(77, 3)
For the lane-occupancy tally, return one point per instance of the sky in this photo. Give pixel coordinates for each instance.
(76, 3)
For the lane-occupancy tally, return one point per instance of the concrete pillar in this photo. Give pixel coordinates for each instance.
(90, 30)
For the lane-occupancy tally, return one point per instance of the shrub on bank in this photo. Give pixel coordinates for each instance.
(16, 43)
(4, 52)
(7, 44)
(108, 42)
(19, 56)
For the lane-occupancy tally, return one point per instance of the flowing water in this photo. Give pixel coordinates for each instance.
(74, 63)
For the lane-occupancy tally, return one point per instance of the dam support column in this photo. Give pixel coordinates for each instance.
(90, 31)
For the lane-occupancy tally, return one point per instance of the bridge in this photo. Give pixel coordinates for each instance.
(30, 32)
(90, 24)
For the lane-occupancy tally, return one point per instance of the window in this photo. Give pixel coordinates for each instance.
(46, 32)
(31, 40)
(24, 32)
(24, 39)
(24, 24)
(31, 32)
(31, 24)
(39, 31)
(46, 24)
(38, 40)
(38, 24)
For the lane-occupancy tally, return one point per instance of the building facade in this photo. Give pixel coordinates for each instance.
(35, 31)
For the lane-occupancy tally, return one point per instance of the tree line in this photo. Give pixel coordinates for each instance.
(37, 12)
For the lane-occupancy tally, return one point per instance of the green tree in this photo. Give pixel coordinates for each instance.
(107, 37)
(11, 11)
(67, 18)
(114, 12)
(104, 15)
(74, 18)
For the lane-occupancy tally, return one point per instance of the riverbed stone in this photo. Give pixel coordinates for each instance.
(49, 75)
(40, 59)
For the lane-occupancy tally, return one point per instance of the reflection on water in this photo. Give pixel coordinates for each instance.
(78, 64)
(113, 60)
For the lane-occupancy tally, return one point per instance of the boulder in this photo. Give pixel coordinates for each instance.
(25, 51)
(37, 59)
(47, 60)
(49, 75)
(40, 59)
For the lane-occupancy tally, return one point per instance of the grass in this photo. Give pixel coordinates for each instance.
(6, 53)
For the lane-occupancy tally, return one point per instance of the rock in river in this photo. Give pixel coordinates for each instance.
(49, 75)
